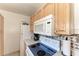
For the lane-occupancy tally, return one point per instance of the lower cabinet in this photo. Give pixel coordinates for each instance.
(76, 52)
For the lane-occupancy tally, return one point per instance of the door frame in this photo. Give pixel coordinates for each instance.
(2, 34)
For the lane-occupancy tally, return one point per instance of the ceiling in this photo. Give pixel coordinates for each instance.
(21, 8)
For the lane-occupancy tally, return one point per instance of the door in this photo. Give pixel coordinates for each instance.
(1, 35)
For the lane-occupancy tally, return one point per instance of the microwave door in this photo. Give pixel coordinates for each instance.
(49, 27)
(42, 27)
(38, 28)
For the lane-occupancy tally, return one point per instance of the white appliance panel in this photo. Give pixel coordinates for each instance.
(52, 43)
(44, 26)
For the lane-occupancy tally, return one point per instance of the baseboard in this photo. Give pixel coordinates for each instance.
(12, 52)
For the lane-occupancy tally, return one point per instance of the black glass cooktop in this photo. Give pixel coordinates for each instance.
(40, 49)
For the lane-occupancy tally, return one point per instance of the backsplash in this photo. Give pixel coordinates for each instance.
(53, 42)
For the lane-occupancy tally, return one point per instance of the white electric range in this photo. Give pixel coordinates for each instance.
(45, 47)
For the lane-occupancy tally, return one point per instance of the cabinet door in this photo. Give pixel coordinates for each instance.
(31, 23)
(41, 13)
(76, 51)
(49, 9)
(62, 18)
(35, 16)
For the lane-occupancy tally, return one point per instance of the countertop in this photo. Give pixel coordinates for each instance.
(58, 54)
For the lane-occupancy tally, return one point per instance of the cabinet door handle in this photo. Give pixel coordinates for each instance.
(61, 30)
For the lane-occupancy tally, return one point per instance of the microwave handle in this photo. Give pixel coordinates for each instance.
(48, 22)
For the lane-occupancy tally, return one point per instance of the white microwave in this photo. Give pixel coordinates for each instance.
(44, 26)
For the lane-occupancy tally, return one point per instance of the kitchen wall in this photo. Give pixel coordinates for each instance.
(76, 17)
(12, 24)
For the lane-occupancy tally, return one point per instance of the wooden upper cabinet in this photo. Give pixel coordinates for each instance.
(62, 18)
(35, 17)
(41, 13)
(48, 9)
(38, 15)
(31, 23)
(44, 11)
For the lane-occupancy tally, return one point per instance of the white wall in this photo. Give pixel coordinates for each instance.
(12, 22)
(76, 18)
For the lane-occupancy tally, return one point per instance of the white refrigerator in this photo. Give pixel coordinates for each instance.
(25, 35)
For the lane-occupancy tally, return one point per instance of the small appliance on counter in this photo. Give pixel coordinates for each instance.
(36, 37)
